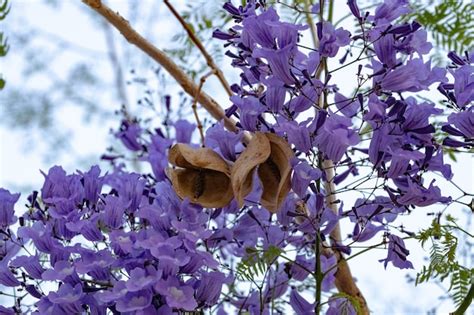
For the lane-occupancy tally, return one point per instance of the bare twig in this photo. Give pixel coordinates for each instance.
(164, 60)
(194, 106)
(209, 60)
(117, 68)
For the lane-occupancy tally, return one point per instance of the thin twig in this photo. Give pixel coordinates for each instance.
(134, 38)
(209, 60)
(194, 106)
(312, 26)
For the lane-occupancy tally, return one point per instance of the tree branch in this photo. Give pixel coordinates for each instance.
(209, 60)
(134, 38)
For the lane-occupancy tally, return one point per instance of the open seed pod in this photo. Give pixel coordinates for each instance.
(275, 173)
(202, 176)
(272, 155)
(257, 152)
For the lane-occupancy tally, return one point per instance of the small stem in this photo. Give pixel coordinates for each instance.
(134, 38)
(194, 106)
(312, 26)
(202, 49)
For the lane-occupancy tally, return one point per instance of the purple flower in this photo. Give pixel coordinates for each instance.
(157, 155)
(177, 295)
(401, 160)
(415, 42)
(303, 174)
(329, 268)
(397, 253)
(92, 184)
(250, 110)
(134, 301)
(95, 263)
(381, 210)
(354, 8)
(88, 228)
(210, 287)
(114, 211)
(384, 47)
(330, 39)
(390, 10)
(413, 77)
(364, 231)
(7, 278)
(334, 137)
(436, 163)
(311, 63)
(347, 107)
(257, 28)
(130, 188)
(63, 192)
(63, 271)
(41, 236)
(184, 131)
(418, 195)
(299, 304)
(68, 298)
(464, 122)
(275, 94)
(297, 271)
(141, 279)
(464, 85)
(7, 311)
(30, 264)
(129, 135)
(279, 62)
(226, 142)
(7, 211)
(298, 135)
(308, 97)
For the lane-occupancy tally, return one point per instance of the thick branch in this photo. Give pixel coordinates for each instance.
(164, 60)
(209, 60)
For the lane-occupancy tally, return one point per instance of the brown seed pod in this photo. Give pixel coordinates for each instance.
(272, 155)
(275, 173)
(203, 176)
(257, 152)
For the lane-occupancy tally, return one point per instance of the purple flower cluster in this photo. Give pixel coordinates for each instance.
(124, 242)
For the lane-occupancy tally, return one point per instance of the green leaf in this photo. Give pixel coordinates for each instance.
(2, 84)
(451, 22)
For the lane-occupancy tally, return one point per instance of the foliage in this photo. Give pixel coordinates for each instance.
(443, 261)
(4, 9)
(257, 262)
(451, 22)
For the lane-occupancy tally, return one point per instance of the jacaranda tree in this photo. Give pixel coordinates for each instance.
(245, 216)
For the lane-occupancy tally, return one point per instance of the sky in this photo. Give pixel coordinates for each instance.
(386, 291)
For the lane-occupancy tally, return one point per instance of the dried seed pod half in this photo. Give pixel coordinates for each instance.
(202, 175)
(256, 152)
(275, 173)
